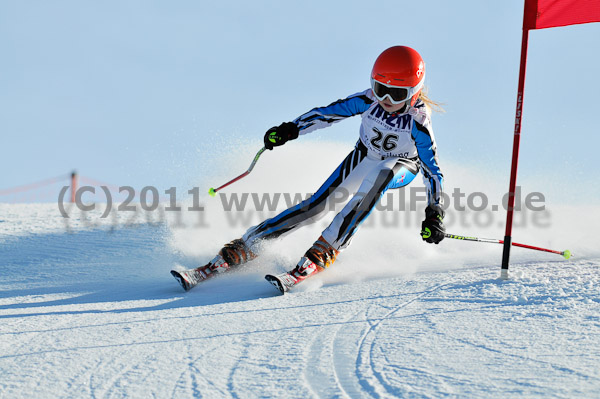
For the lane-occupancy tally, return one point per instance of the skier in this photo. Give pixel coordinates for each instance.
(396, 140)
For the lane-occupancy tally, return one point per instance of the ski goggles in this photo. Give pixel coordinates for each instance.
(396, 94)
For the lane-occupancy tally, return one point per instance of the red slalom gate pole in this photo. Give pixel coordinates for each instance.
(515, 157)
(565, 254)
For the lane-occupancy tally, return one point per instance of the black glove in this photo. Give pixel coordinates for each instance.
(432, 228)
(279, 135)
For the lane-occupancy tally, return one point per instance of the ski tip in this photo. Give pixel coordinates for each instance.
(182, 281)
(276, 282)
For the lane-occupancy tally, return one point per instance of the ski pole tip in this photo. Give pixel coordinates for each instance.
(212, 192)
(566, 254)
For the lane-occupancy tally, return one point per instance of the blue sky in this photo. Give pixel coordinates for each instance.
(146, 92)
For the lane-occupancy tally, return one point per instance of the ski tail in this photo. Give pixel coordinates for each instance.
(188, 279)
(283, 282)
(185, 284)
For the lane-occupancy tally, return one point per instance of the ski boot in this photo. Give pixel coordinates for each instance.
(231, 255)
(319, 257)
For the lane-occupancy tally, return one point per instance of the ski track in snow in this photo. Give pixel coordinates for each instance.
(369, 339)
(93, 313)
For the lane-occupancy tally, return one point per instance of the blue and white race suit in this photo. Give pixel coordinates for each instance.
(391, 150)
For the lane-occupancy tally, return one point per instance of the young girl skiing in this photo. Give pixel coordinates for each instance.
(396, 140)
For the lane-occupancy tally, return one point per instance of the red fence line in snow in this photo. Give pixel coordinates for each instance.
(25, 192)
(33, 186)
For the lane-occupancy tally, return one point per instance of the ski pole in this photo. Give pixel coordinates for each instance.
(213, 191)
(566, 253)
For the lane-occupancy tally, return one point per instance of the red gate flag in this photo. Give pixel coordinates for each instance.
(540, 14)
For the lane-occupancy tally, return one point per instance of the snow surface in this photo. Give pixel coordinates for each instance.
(88, 309)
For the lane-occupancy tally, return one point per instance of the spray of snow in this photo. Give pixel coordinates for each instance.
(388, 243)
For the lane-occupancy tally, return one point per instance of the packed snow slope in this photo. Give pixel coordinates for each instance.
(88, 307)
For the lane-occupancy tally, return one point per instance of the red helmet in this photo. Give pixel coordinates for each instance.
(398, 72)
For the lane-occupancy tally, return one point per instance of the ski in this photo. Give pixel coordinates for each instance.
(283, 282)
(188, 279)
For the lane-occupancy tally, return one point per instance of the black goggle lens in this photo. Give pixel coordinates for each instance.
(396, 93)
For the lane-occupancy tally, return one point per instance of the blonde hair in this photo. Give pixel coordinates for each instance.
(429, 103)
